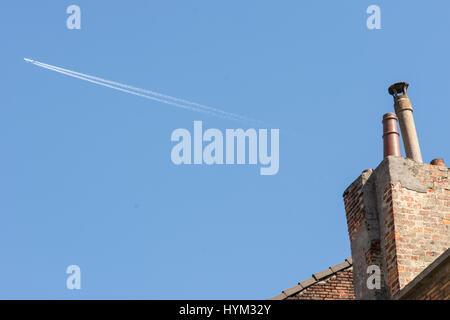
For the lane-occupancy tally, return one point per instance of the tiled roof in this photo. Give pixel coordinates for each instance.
(316, 277)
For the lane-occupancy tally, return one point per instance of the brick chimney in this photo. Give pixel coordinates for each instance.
(398, 218)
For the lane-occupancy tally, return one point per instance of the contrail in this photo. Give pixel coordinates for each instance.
(148, 94)
(128, 91)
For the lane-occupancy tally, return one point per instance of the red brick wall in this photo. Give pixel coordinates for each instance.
(354, 209)
(432, 284)
(416, 224)
(338, 286)
(363, 228)
(398, 218)
(438, 290)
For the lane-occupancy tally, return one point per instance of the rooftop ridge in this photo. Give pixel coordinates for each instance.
(315, 278)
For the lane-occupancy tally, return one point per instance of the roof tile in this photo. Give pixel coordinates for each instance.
(293, 290)
(306, 283)
(340, 266)
(322, 274)
(281, 296)
(316, 277)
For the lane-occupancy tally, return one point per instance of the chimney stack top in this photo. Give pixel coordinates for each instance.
(399, 87)
(438, 162)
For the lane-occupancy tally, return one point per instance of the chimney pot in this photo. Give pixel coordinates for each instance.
(438, 162)
(404, 111)
(391, 142)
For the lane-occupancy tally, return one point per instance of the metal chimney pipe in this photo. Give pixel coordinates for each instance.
(404, 112)
(391, 142)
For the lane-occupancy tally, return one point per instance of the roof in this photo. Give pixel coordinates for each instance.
(316, 277)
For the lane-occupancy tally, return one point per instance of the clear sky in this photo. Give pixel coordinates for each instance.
(86, 174)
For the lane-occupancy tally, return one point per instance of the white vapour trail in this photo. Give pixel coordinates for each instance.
(129, 91)
(147, 93)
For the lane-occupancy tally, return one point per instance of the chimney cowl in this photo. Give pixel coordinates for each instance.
(398, 87)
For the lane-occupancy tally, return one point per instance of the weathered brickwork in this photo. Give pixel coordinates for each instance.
(421, 229)
(435, 291)
(338, 286)
(334, 283)
(354, 207)
(431, 284)
(390, 249)
(398, 218)
(417, 224)
(363, 229)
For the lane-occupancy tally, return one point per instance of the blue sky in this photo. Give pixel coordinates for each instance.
(86, 175)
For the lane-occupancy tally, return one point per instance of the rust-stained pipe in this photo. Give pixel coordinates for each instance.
(391, 141)
(404, 112)
(438, 162)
